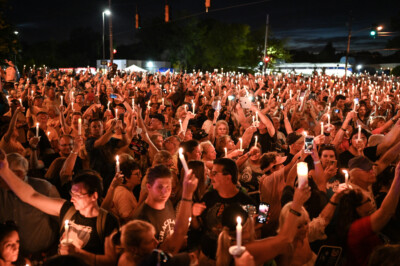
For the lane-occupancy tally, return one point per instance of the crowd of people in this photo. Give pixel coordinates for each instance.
(117, 168)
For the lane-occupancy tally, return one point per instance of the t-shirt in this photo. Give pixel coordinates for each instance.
(83, 232)
(163, 220)
(102, 159)
(124, 203)
(212, 217)
(361, 241)
(346, 156)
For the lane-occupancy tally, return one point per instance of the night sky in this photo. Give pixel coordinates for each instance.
(307, 24)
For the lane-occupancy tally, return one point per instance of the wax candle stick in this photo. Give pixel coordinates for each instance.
(133, 104)
(193, 107)
(37, 129)
(239, 232)
(255, 142)
(256, 116)
(322, 128)
(346, 176)
(66, 229)
(116, 114)
(108, 105)
(79, 126)
(329, 119)
(62, 100)
(117, 169)
(359, 132)
(180, 124)
(226, 152)
(183, 161)
(241, 143)
(302, 173)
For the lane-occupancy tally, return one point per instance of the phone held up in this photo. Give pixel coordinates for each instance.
(263, 210)
(308, 144)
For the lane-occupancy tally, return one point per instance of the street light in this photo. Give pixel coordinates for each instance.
(105, 12)
(374, 29)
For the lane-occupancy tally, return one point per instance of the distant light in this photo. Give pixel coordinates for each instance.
(107, 12)
(16, 32)
(261, 63)
(150, 64)
(379, 27)
(359, 67)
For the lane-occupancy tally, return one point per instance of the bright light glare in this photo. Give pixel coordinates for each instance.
(107, 12)
(150, 64)
(359, 67)
(379, 28)
(16, 32)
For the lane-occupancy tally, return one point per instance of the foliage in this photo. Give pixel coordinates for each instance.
(8, 40)
(396, 71)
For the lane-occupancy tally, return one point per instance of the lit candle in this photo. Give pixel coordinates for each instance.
(116, 114)
(185, 106)
(62, 100)
(329, 119)
(108, 105)
(72, 106)
(79, 126)
(302, 174)
(219, 105)
(48, 134)
(254, 119)
(20, 101)
(133, 103)
(346, 176)
(255, 142)
(322, 128)
(256, 116)
(355, 104)
(258, 105)
(37, 129)
(66, 229)
(183, 161)
(226, 152)
(117, 169)
(239, 232)
(162, 100)
(241, 144)
(359, 132)
(180, 123)
(193, 107)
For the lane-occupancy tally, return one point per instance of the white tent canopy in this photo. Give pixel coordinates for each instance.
(135, 68)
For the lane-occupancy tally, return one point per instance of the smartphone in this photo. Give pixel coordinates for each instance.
(328, 256)
(308, 144)
(333, 163)
(113, 96)
(245, 102)
(263, 210)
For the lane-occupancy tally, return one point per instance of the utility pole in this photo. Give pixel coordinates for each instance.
(265, 42)
(110, 30)
(348, 47)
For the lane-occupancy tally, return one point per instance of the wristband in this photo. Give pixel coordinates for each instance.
(188, 200)
(343, 129)
(294, 212)
(317, 162)
(333, 203)
(74, 152)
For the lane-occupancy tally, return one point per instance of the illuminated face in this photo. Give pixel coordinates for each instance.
(9, 248)
(65, 145)
(355, 137)
(96, 128)
(222, 130)
(210, 153)
(195, 154)
(160, 190)
(81, 198)
(135, 177)
(326, 157)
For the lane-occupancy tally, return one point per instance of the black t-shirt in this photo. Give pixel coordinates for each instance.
(267, 142)
(83, 230)
(163, 220)
(346, 156)
(212, 216)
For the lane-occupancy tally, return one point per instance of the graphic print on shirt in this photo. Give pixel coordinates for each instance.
(78, 234)
(167, 229)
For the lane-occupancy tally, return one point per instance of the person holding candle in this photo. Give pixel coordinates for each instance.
(80, 212)
(224, 177)
(360, 223)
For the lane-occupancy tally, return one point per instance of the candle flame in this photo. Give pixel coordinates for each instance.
(345, 171)
(239, 220)
(66, 223)
(117, 158)
(181, 151)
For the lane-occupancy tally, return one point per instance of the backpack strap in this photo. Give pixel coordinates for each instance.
(68, 215)
(101, 223)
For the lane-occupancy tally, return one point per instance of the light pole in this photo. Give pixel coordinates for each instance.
(106, 12)
(348, 43)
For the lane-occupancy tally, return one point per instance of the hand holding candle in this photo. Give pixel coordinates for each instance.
(239, 232)
(66, 229)
(302, 174)
(117, 169)
(37, 129)
(183, 161)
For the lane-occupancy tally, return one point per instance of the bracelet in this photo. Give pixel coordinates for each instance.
(343, 129)
(188, 200)
(317, 162)
(333, 203)
(74, 152)
(294, 212)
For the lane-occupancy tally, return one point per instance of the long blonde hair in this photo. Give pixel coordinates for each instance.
(225, 241)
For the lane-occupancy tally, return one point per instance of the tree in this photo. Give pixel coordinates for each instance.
(9, 44)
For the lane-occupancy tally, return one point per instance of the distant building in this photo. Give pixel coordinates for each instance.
(151, 66)
(309, 68)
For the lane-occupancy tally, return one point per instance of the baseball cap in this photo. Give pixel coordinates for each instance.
(159, 117)
(360, 162)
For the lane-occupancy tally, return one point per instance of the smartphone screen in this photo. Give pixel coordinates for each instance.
(308, 144)
(113, 96)
(263, 210)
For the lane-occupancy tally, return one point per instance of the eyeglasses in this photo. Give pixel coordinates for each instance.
(76, 195)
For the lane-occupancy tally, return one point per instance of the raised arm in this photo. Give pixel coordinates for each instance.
(266, 121)
(11, 126)
(389, 139)
(382, 216)
(26, 193)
